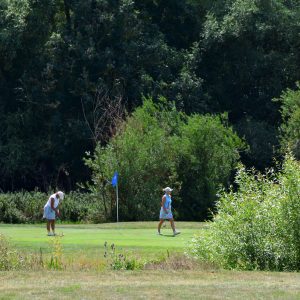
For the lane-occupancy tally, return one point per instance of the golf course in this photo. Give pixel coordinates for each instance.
(88, 239)
(166, 272)
(149, 149)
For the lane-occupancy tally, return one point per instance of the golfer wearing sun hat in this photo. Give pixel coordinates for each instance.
(51, 210)
(166, 212)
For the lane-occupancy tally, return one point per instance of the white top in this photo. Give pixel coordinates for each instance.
(56, 201)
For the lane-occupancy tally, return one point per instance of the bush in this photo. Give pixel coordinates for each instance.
(27, 207)
(82, 207)
(118, 260)
(144, 154)
(22, 207)
(159, 146)
(208, 152)
(258, 226)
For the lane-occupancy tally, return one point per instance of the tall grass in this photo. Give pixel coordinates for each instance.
(120, 260)
(56, 259)
(11, 259)
(114, 258)
(258, 226)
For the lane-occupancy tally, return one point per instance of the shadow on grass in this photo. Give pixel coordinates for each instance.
(167, 235)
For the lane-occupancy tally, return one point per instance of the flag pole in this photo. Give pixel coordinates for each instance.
(114, 183)
(117, 203)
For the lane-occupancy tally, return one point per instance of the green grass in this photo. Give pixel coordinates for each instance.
(201, 282)
(149, 285)
(138, 237)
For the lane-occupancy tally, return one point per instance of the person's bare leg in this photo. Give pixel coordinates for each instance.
(53, 226)
(173, 227)
(159, 225)
(48, 226)
(172, 224)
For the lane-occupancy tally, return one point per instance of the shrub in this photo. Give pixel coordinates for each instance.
(208, 153)
(21, 207)
(258, 226)
(118, 260)
(159, 146)
(143, 153)
(27, 207)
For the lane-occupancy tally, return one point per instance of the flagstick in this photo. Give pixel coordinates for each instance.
(117, 203)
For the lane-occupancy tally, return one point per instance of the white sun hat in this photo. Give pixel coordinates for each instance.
(167, 189)
(61, 195)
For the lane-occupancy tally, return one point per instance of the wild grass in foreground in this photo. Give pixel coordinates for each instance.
(153, 284)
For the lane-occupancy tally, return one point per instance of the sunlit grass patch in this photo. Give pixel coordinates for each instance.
(82, 246)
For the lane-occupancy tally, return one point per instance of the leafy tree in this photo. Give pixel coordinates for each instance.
(159, 146)
(60, 53)
(207, 56)
(249, 55)
(290, 129)
(25, 26)
(209, 152)
(178, 20)
(143, 154)
(262, 139)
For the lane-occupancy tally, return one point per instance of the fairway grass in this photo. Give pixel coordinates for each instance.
(137, 237)
(85, 243)
(149, 285)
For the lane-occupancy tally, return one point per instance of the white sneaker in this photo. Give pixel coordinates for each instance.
(176, 232)
(158, 233)
(51, 234)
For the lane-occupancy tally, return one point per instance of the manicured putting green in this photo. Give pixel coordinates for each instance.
(140, 237)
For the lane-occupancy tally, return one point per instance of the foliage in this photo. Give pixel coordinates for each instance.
(262, 139)
(290, 129)
(159, 146)
(120, 261)
(9, 258)
(208, 154)
(243, 42)
(13, 259)
(143, 154)
(27, 207)
(257, 226)
(207, 56)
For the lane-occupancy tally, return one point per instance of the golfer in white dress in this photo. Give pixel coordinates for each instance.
(166, 211)
(51, 211)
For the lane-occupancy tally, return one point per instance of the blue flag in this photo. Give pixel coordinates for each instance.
(114, 180)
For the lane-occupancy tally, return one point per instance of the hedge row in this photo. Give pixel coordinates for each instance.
(27, 207)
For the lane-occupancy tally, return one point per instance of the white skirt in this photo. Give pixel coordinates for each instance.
(49, 213)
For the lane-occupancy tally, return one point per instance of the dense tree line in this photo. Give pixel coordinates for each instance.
(205, 56)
